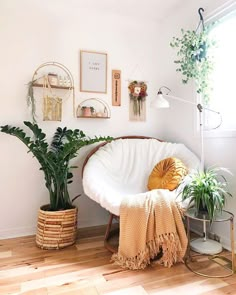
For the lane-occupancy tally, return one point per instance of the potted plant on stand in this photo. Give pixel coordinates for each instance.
(207, 191)
(57, 221)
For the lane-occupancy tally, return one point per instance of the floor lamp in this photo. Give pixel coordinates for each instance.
(200, 245)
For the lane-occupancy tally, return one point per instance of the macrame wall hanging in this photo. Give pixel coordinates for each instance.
(137, 103)
(51, 85)
(52, 104)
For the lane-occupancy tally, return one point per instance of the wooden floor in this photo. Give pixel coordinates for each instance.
(85, 268)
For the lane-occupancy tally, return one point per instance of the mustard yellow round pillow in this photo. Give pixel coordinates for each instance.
(167, 174)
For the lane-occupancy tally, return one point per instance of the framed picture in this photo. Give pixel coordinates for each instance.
(93, 72)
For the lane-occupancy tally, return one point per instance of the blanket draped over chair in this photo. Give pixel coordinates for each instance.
(149, 223)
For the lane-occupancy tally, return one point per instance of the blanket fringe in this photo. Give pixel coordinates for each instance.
(171, 253)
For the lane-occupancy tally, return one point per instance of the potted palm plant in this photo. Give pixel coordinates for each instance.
(57, 221)
(207, 191)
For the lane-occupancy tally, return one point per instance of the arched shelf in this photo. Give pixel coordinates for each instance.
(57, 84)
(94, 108)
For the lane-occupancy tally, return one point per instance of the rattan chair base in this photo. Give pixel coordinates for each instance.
(110, 234)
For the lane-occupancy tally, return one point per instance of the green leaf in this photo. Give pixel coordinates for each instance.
(206, 188)
(195, 60)
(55, 159)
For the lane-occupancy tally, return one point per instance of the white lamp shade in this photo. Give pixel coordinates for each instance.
(160, 102)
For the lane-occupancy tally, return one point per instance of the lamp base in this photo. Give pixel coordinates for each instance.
(207, 246)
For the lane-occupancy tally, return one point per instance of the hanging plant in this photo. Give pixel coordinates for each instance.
(195, 58)
(137, 93)
(31, 100)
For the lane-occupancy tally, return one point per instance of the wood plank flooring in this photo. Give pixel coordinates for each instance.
(85, 269)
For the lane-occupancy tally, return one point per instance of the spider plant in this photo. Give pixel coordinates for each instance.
(207, 190)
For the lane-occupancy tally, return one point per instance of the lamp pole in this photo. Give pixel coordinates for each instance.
(161, 102)
(200, 109)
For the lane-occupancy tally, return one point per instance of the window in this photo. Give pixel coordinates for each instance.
(223, 98)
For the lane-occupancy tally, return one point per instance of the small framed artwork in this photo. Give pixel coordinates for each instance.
(93, 72)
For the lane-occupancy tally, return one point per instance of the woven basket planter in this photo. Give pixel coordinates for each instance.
(56, 229)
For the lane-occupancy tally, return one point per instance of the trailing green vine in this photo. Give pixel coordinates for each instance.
(196, 59)
(31, 100)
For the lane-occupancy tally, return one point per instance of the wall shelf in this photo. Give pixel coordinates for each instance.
(52, 86)
(92, 117)
(55, 85)
(93, 108)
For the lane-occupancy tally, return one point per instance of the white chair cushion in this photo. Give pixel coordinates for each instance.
(122, 168)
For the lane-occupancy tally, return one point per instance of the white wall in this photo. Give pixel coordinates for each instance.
(180, 120)
(34, 32)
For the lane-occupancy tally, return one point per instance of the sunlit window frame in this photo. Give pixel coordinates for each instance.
(218, 14)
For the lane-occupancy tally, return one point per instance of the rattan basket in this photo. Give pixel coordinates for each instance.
(56, 229)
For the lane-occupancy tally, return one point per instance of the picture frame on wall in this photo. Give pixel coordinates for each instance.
(93, 71)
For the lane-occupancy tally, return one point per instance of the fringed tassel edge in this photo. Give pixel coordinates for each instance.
(171, 253)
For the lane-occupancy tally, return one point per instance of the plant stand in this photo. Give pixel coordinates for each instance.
(194, 262)
(56, 229)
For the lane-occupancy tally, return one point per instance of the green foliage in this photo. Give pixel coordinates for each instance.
(31, 100)
(195, 59)
(207, 189)
(54, 158)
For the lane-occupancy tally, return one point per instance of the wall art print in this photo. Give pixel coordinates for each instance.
(137, 104)
(93, 72)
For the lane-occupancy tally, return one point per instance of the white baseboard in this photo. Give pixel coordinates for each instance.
(31, 230)
(17, 232)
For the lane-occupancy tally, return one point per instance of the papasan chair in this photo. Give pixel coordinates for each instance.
(113, 170)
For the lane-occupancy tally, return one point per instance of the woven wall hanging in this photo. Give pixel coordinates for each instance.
(137, 104)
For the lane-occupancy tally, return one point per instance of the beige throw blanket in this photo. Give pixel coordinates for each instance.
(149, 223)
